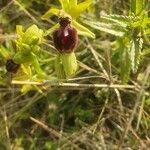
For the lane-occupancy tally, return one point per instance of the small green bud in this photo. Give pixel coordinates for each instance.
(33, 35)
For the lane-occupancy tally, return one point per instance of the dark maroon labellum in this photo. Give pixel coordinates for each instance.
(11, 66)
(65, 38)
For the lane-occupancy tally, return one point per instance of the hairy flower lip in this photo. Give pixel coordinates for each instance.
(11, 66)
(65, 38)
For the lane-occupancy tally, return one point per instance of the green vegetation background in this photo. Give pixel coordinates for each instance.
(74, 117)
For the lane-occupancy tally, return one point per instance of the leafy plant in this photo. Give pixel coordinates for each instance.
(131, 32)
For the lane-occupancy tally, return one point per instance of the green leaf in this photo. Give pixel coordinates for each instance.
(125, 67)
(124, 58)
(83, 30)
(138, 42)
(136, 6)
(107, 27)
(121, 18)
(135, 47)
(118, 22)
(36, 65)
(50, 12)
(132, 54)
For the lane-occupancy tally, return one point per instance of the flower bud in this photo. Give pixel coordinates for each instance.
(11, 66)
(65, 38)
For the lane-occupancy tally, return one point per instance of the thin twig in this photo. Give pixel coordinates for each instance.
(25, 11)
(119, 99)
(4, 8)
(7, 127)
(52, 131)
(61, 84)
(97, 59)
(45, 127)
(100, 115)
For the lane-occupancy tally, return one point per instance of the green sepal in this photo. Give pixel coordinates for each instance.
(76, 10)
(64, 4)
(50, 12)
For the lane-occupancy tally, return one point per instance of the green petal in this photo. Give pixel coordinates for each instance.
(52, 29)
(83, 30)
